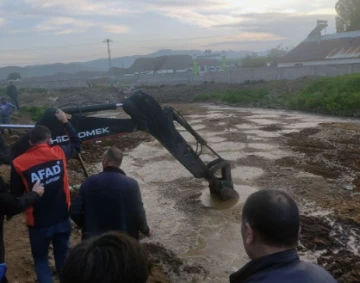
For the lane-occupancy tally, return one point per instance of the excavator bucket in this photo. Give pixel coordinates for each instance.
(146, 115)
(159, 122)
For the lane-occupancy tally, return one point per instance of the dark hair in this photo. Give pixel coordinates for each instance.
(274, 217)
(114, 155)
(39, 134)
(111, 258)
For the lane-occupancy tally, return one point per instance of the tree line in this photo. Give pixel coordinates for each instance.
(348, 18)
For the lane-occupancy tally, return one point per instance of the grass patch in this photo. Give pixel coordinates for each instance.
(335, 96)
(332, 96)
(36, 112)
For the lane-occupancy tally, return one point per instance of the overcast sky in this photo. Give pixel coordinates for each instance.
(48, 31)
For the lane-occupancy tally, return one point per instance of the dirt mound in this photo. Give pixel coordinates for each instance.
(342, 126)
(343, 265)
(320, 235)
(315, 233)
(165, 266)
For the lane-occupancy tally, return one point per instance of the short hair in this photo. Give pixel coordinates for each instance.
(39, 134)
(111, 258)
(114, 155)
(274, 217)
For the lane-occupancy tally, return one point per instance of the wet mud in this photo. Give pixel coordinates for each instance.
(318, 235)
(315, 159)
(166, 266)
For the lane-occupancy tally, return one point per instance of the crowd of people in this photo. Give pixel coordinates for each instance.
(109, 210)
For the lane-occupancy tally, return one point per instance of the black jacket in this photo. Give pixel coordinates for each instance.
(281, 267)
(109, 201)
(10, 206)
(11, 91)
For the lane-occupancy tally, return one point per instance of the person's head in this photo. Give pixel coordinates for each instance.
(40, 134)
(270, 223)
(112, 157)
(3, 100)
(111, 258)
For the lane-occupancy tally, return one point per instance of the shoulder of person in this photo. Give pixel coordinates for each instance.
(130, 182)
(96, 178)
(318, 271)
(58, 150)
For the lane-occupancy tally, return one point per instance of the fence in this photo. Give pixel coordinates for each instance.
(231, 77)
(256, 74)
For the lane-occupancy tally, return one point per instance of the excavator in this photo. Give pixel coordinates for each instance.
(145, 115)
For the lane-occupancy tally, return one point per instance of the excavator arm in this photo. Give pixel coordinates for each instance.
(146, 115)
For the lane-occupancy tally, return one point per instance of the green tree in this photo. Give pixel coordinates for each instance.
(14, 76)
(274, 54)
(254, 61)
(348, 15)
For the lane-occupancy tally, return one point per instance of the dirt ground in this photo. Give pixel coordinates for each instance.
(315, 159)
(179, 93)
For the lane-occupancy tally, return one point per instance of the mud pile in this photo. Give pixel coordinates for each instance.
(319, 235)
(165, 266)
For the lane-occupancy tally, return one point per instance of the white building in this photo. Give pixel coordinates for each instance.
(330, 49)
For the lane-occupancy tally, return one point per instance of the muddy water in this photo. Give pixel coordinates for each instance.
(184, 217)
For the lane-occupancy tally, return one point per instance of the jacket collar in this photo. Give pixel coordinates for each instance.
(41, 145)
(266, 263)
(114, 169)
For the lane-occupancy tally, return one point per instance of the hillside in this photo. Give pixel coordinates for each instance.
(99, 65)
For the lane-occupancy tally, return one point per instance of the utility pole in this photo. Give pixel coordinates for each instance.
(107, 41)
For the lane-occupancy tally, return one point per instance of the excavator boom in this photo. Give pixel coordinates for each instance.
(146, 115)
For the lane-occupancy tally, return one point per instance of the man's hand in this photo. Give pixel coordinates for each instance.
(61, 116)
(150, 233)
(37, 188)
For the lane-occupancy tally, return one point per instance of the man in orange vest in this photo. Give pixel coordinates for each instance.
(48, 220)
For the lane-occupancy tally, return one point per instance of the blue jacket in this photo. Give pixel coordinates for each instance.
(6, 109)
(109, 201)
(280, 268)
